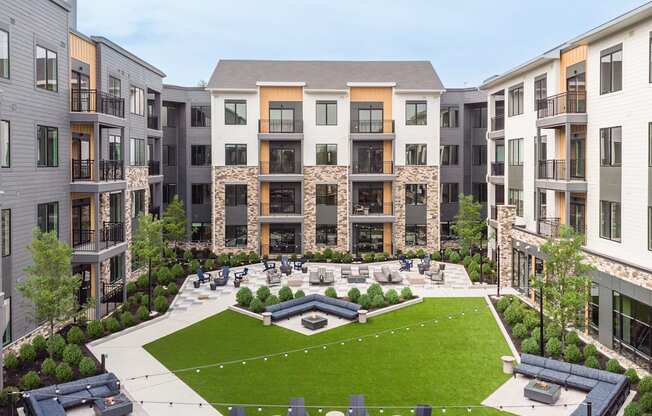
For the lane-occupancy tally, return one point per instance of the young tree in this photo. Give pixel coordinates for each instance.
(50, 284)
(174, 221)
(148, 246)
(469, 225)
(567, 281)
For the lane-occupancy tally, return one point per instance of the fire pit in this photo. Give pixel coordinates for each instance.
(542, 392)
(118, 405)
(314, 321)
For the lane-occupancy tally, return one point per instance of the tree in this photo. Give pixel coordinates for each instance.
(148, 246)
(202, 83)
(50, 284)
(469, 225)
(567, 282)
(174, 221)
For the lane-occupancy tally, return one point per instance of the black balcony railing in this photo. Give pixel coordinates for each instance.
(112, 234)
(554, 169)
(372, 126)
(279, 168)
(152, 123)
(93, 101)
(498, 169)
(284, 208)
(380, 167)
(548, 227)
(497, 123)
(564, 103)
(372, 209)
(82, 169)
(111, 170)
(84, 240)
(154, 167)
(280, 126)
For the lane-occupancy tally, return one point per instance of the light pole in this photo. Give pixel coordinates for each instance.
(541, 318)
(481, 256)
(497, 272)
(149, 286)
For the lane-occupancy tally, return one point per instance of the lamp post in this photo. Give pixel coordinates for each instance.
(541, 318)
(149, 286)
(497, 271)
(481, 256)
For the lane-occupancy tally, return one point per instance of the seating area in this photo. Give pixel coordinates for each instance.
(387, 276)
(606, 391)
(337, 307)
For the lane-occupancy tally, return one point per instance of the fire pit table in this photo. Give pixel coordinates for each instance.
(542, 392)
(314, 322)
(118, 405)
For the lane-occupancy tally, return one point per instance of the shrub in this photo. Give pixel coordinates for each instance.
(75, 336)
(172, 289)
(467, 261)
(347, 258)
(337, 257)
(87, 367)
(392, 297)
(48, 367)
(530, 346)
(127, 319)
(645, 403)
(262, 293)
(503, 303)
(613, 366)
(11, 361)
(553, 347)
(380, 257)
(454, 257)
(644, 386)
(187, 255)
(194, 265)
(377, 301)
(520, 331)
(142, 313)
(72, 354)
(406, 293)
(590, 351)
(254, 257)
(63, 373)
(632, 375)
(592, 362)
(158, 291)
(27, 353)
(514, 314)
(256, 305)
(112, 325)
(142, 281)
(374, 289)
(161, 304)
(131, 288)
(177, 271)
(317, 257)
(530, 319)
(40, 344)
(328, 254)
(572, 338)
(94, 329)
(56, 344)
(209, 264)
(436, 256)
(244, 296)
(572, 353)
(552, 331)
(163, 276)
(486, 268)
(474, 275)
(368, 258)
(364, 301)
(331, 292)
(9, 395)
(299, 294)
(271, 300)
(285, 294)
(633, 409)
(410, 254)
(354, 294)
(30, 381)
(536, 334)
(145, 300)
(420, 253)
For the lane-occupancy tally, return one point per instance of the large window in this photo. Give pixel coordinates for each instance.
(137, 101)
(201, 193)
(235, 112)
(515, 100)
(326, 113)
(449, 154)
(611, 69)
(5, 144)
(611, 146)
(235, 154)
(515, 197)
(415, 235)
(48, 146)
(479, 155)
(540, 90)
(416, 113)
(200, 231)
(170, 155)
(594, 309)
(4, 54)
(415, 154)
(137, 202)
(200, 116)
(516, 152)
(5, 234)
(449, 117)
(631, 324)
(479, 118)
(117, 268)
(326, 194)
(200, 155)
(115, 86)
(610, 220)
(415, 194)
(327, 154)
(115, 147)
(138, 152)
(235, 195)
(169, 191)
(235, 235)
(47, 72)
(479, 191)
(326, 234)
(48, 217)
(449, 192)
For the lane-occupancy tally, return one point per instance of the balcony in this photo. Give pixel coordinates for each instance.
(275, 168)
(375, 168)
(556, 169)
(281, 209)
(572, 102)
(82, 169)
(548, 227)
(497, 123)
(93, 101)
(498, 169)
(111, 234)
(372, 126)
(110, 170)
(152, 122)
(154, 167)
(280, 126)
(372, 209)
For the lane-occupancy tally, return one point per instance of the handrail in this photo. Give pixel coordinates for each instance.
(571, 102)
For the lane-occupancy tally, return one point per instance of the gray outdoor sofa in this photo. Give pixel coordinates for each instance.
(606, 391)
(337, 307)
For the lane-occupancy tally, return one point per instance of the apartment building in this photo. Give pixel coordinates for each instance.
(309, 155)
(79, 123)
(570, 142)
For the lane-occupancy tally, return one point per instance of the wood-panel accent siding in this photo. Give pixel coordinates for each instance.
(264, 157)
(374, 94)
(268, 94)
(388, 156)
(387, 238)
(561, 206)
(567, 59)
(85, 51)
(387, 198)
(264, 239)
(264, 198)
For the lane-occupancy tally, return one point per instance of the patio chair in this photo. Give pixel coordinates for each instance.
(299, 263)
(241, 275)
(435, 274)
(313, 278)
(273, 278)
(358, 210)
(395, 277)
(425, 264)
(356, 406)
(383, 276)
(202, 276)
(363, 271)
(346, 271)
(268, 265)
(222, 276)
(328, 278)
(285, 266)
(297, 407)
(406, 265)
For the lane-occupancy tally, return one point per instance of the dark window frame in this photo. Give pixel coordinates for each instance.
(516, 100)
(200, 231)
(614, 230)
(5, 161)
(200, 115)
(326, 105)
(516, 152)
(235, 195)
(515, 197)
(239, 150)
(419, 118)
(445, 120)
(479, 154)
(614, 84)
(609, 156)
(449, 155)
(420, 149)
(5, 231)
(329, 150)
(450, 192)
(169, 192)
(117, 268)
(239, 237)
(236, 119)
(46, 84)
(170, 150)
(416, 194)
(202, 158)
(326, 194)
(416, 235)
(200, 193)
(51, 209)
(115, 84)
(51, 157)
(325, 231)
(137, 151)
(540, 89)
(136, 100)
(138, 197)
(479, 192)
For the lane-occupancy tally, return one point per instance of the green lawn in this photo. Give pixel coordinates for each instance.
(453, 362)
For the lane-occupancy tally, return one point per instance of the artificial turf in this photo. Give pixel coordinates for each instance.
(451, 362)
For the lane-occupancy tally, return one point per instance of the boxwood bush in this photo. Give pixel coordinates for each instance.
(592, 362)
(514, 314)
(364, 301)
(632, 376)
(75, 335)
(354, 294)
(27, 353)
(520, 331)
(299, 294)
(552, 330)
(590, 350)
(40, 344)
(127, 319)
(244, 297)
(633, 409)
(572, 353)
(72, 354)
(56, 344)
(177, 271)
(530, 319)
(406, 293)
(256, 305)
(614, 366)
(645, 403)
(392, 297)
(271, 300)
(331, 292)
(377, 301)
(158, 291)
(572, 338)
(285, 294)
(644, 386)
(87, 367)
(161, 304)
(112, 325)
(553, 347)
(374, 289)
(172, 289)
(262, 293)
(11, 361)
(63, 373)
(95, 329)
(503, 303)
(530, 346)
(30, 381)
(48, 367)
(142, 313)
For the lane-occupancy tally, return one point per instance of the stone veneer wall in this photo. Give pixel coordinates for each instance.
(245, 175)
(412, 175)
(506, 214)
(137, 179)
(313, 175)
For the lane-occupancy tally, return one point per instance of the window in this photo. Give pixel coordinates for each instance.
(200, 155)
(415, 235)
(416, 113)
(169, 192)
(235, 195)
(449, 117)
(631, 324)
(115, 147)
(327, 154)
(515, 197)
(516, 152)
(137, 101)
(4, 54)
(48, 217)
(169, 116)
(116, 268)
(610, 220)
(449, 193)
(5, 144)
(48, 146)
(611, 146)
(326, 194)
(200, 116)
(415, 194)
(516, 100)
(415, 154)
(235, 154)
(479, 192)
(200, 231)
(326, 113)
(479, 118)
(540, 90)
(115, 86)
(649, 228)
(235, 112)
(448, 154)
(235, 235)
(611, 69)
(137, 202)
(170, 155)
(47, 76)
(138, 153)
(326, 234)
(201, 193)
(479, 155)
(5, 234)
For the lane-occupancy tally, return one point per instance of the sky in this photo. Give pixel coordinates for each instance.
(467, 41)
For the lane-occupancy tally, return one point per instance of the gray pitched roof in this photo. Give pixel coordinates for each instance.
(324, 74)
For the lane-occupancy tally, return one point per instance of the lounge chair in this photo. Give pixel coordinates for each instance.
(356, 406)
(395, 277)
(273, 278)
(268, 265)
(286, 267)
(363, 270)
(384, 275)
(222, 276)
(425, 264)
(241, 275)
(202, 276)
(321, 276)
(313, 278)
(297, 407)
(406, 265)
(346, 272)
(435, 274)
(361, 277)
(329, 278)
